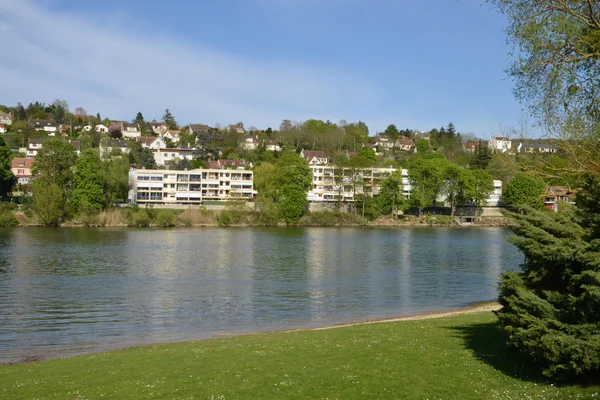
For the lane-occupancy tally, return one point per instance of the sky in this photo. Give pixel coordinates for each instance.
(413, 63)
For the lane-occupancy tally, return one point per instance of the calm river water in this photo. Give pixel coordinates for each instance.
(70, 291)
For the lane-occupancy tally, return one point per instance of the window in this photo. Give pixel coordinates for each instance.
(143, 178)
(20, 171)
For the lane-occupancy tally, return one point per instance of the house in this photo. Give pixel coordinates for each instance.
(191, 187)
(499, 144)
(172, 135)
(227, 164)
(35, 145)
(99, 128)
(45, 125)
(470, 147)
(272, 145)
(164, 156)
(405, 143)
(382, 142)
(421, 135)
(131, 131)
(152, 142)
(239, 128)
(536, 147)
(556, 194)
(158, 127)
(6, 118)
(21, 169)
(313, 157)
(250, 142)
(111, 147)
(3, 128)
(200, 128)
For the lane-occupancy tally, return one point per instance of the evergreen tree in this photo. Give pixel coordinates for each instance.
(551, 309)
(451, 131)
(169, 120)
(139, 119)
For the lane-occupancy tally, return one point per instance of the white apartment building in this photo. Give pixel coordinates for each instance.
(332, 184)
(499, 144)
(495, 198)
(189, 187)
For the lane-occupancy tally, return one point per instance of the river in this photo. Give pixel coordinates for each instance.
(76, 290)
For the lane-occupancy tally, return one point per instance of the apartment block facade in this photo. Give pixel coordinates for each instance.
(332, 184)
(189, 187)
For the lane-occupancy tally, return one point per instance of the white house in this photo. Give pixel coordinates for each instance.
(6, 119)
(46, 125)
(313, 157)
(164, 156)
(99, 128)
(171, 135)
(272, 145)
(3, 129)
(158, 127)
(500, 144)
(131, 131)
(250, 142)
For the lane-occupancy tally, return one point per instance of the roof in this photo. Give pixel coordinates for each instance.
(199, 127)
(171, 132)
(218, 164)
(76, 144)
(406, 141)
(44, 122)
(309, 154)
(157, 123)
(147, 139)
(36, 141)
(559, 191)
(118, 144)
(471, 145)
(501, 138)
(22, 162)
(5, 115)
(126, 125)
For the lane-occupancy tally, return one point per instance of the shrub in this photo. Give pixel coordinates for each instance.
(165, 218)
(7, 216)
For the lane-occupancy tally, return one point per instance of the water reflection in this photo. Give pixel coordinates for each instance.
(74, 290)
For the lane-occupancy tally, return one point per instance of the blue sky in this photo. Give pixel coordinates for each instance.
(417, 64)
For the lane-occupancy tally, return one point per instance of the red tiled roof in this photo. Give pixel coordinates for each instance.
(22, 162)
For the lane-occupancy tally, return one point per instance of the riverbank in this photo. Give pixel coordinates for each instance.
(199, 217)
(461, 355)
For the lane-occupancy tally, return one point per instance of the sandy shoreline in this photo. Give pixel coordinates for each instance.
(486, 307)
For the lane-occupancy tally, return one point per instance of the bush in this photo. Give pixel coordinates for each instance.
(7, 216)
(331, 218)
(165, 218)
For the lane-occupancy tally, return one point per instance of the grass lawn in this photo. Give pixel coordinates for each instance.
(459, 357)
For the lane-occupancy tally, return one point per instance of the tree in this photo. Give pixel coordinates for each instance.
(116, 182)
(7, 178)
(458, 185)
(483, 187)
(59, 108)
(426, 177)
(392, 133)
(169, 119)
(423, 145)
(524, 190)
(551, 309)
(450, 130)
(391, 195)
(54, 164)
(88, 194)
(139, 119)
(368, 154)
(294, 180)
(48, 202)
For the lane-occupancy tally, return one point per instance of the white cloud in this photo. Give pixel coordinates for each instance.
(118, 71)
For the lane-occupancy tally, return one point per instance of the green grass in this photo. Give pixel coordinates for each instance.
(460, 357)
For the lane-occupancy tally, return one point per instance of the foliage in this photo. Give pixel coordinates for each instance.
(48, 202)
(483, 187)
(54, 164)
(552, 308)
(367, 153)
(458, 185)
(7, 215)
(391, 195)
(422, 145)
(426, 177)
(165, 218)
(7, 179)
(116, 182)
(524, 190)
(331, 218)
(88, 194)
(294, 179)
